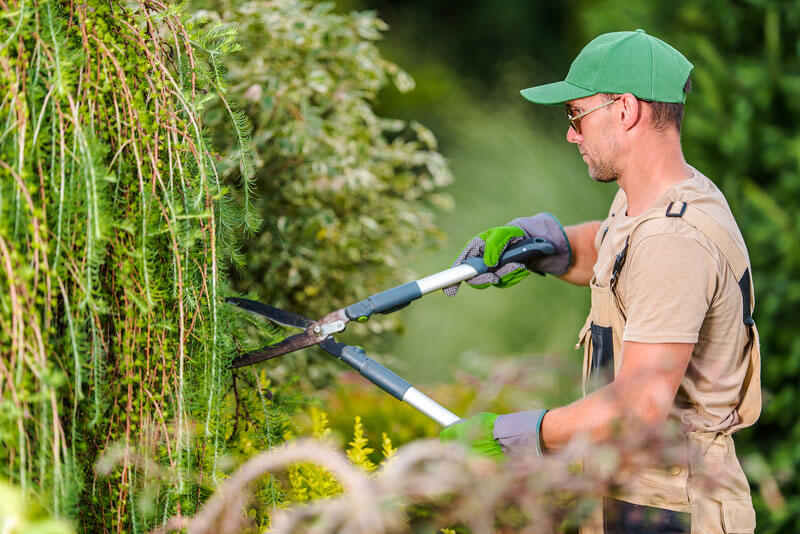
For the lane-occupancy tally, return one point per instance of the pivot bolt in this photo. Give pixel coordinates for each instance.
(317, 330)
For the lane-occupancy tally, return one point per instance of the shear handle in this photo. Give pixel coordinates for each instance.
(400, 296)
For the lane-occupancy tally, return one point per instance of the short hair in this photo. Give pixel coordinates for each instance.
(666, 114)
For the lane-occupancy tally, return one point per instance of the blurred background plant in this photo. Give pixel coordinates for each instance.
(19, 515)
(739, 129)
(429, 486)
(344, 194)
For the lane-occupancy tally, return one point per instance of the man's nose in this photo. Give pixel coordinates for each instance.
(573, 136)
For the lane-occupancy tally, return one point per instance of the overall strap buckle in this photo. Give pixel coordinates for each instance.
(676, 209)
(618, 263)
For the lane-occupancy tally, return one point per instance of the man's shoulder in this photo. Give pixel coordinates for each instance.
(701, 194)
(672, 237)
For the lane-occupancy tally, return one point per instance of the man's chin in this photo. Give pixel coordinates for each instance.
(602, 177)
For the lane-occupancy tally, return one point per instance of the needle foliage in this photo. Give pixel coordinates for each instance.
(119, 217)
(113, 224)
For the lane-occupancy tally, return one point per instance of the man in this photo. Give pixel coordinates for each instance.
(670, 336)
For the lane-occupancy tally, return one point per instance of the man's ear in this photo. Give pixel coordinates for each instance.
(629, 110)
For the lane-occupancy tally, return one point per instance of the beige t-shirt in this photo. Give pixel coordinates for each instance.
(676, 287)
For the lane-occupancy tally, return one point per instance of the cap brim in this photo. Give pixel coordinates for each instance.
(553, 94)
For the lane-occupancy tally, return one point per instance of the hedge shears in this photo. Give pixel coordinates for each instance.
(320, 332)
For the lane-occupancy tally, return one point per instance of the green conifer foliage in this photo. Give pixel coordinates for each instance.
(118, 220)
(113, 225)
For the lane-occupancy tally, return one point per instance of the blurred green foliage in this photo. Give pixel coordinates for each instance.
(23, 516)
(344, 193)
(740, 129)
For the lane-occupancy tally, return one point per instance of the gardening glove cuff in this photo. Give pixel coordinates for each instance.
(519, 432)
(546, 226)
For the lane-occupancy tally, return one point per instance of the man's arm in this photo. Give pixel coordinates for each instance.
(642, 393)
(584, 255)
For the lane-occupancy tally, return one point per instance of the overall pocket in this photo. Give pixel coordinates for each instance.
(601, 369)
(599, 355)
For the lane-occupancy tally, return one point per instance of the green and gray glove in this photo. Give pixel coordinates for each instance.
(494, 435)
(475, 434)
(492, 243)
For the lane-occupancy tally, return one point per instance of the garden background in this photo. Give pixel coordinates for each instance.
(276, 149)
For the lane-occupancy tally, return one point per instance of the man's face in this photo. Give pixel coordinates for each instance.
(596, 140)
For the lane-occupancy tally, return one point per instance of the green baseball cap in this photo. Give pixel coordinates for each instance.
(620, 62)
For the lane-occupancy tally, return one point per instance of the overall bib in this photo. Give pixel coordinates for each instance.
(676, 498)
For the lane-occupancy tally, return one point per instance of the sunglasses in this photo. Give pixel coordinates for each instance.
(575, 120)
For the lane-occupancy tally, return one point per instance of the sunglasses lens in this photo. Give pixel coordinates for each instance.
(575, 124)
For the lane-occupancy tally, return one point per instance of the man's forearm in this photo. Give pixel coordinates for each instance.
(584, 255)
(599, 415)
(593, 416)
(640, 396)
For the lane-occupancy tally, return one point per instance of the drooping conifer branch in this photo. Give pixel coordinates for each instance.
(109, 204)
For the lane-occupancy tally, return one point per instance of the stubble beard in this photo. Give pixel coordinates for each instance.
(604, 170)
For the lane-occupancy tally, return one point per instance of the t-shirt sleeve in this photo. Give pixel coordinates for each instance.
(669, 288)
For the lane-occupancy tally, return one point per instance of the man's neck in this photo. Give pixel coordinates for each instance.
(652, 169)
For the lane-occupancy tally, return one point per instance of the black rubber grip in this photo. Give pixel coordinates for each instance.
(522, 252)
(526, 250)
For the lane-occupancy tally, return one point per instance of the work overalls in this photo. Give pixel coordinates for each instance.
(676, 498)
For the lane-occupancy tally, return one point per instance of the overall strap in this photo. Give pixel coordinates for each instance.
(734, 254)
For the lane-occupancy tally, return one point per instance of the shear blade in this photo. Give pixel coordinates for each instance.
(276, 315)
(290, 344)
(331, 346)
